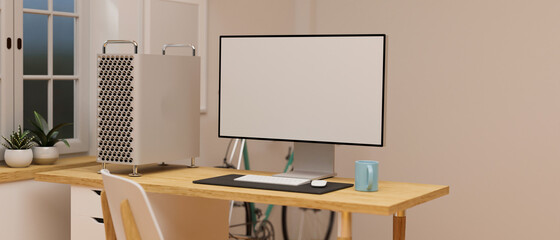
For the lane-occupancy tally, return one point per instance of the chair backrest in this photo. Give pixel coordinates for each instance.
(119, 189)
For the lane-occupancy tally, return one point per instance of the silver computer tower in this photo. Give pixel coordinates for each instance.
(148, 108)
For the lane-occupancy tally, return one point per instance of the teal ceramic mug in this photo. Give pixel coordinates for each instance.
(366, 175)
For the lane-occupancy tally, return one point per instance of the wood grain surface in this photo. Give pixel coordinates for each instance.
(175, 179)
(107, 219)
(129, 223)
(8, 174)
(399, 227)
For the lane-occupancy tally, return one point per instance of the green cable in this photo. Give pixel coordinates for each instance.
(246, 157)
(290, 161)
(253, 215)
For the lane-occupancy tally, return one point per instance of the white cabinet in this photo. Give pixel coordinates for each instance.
(34, 211)
(86, 214)
(86, 201)
(86, 228)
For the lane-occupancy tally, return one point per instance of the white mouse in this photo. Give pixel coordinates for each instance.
(318, 183)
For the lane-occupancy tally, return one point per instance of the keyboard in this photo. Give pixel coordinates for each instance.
(272, 180)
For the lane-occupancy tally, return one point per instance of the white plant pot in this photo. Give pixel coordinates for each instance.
(45, 155)
(18, 158)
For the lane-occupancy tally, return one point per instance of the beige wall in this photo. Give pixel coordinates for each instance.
(472, 102)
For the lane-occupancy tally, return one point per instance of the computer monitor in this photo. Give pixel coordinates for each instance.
(314, 90)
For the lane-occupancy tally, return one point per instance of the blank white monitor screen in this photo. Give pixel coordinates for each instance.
(314, 88)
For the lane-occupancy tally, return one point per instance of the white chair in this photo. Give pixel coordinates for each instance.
(129, 209)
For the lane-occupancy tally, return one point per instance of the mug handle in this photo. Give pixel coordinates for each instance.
(370, 177)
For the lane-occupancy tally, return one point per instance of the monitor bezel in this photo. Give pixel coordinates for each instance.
(384, 36)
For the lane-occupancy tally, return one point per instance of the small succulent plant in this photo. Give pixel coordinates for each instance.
(43, 136)
(19, 140)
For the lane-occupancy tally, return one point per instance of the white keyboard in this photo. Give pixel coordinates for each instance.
(273, 180)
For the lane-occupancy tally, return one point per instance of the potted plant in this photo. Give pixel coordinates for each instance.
(45, 152)
(18, 149)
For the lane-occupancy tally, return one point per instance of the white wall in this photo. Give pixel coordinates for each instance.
(170, 22)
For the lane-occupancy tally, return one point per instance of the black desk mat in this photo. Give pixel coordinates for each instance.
(227, 180)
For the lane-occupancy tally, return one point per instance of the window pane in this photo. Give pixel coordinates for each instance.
(63, 45)
(63, 106)
(34, 99)
(63, 5)
(34, 44)
(36, 4)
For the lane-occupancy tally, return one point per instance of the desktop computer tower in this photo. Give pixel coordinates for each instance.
(148, 108)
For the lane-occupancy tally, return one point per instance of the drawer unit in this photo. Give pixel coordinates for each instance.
(87, 228)
(86, 201)
(86, 214)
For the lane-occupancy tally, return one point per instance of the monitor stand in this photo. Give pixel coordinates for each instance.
(312, 161)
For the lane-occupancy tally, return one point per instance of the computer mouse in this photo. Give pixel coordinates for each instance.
(318, 183)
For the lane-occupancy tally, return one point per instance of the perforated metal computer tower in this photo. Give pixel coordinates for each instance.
(148, 108)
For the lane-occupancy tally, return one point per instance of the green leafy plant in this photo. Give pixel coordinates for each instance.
(43, 136)
(19, 140)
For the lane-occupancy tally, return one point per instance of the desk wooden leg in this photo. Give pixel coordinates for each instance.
(344, 226)
(399, 225)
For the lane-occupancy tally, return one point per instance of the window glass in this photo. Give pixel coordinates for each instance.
(63, 5)
(35, 98)
(35, 44)
(63, 106)
(63, 45)
(36, 4)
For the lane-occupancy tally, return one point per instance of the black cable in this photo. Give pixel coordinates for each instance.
(284, 223)
(248, 219)
(329, 228)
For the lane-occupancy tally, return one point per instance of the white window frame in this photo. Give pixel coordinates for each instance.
(6, 70)
(80, 142)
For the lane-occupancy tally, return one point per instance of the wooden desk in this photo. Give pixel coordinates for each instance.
(8, 174)
(393, 198)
